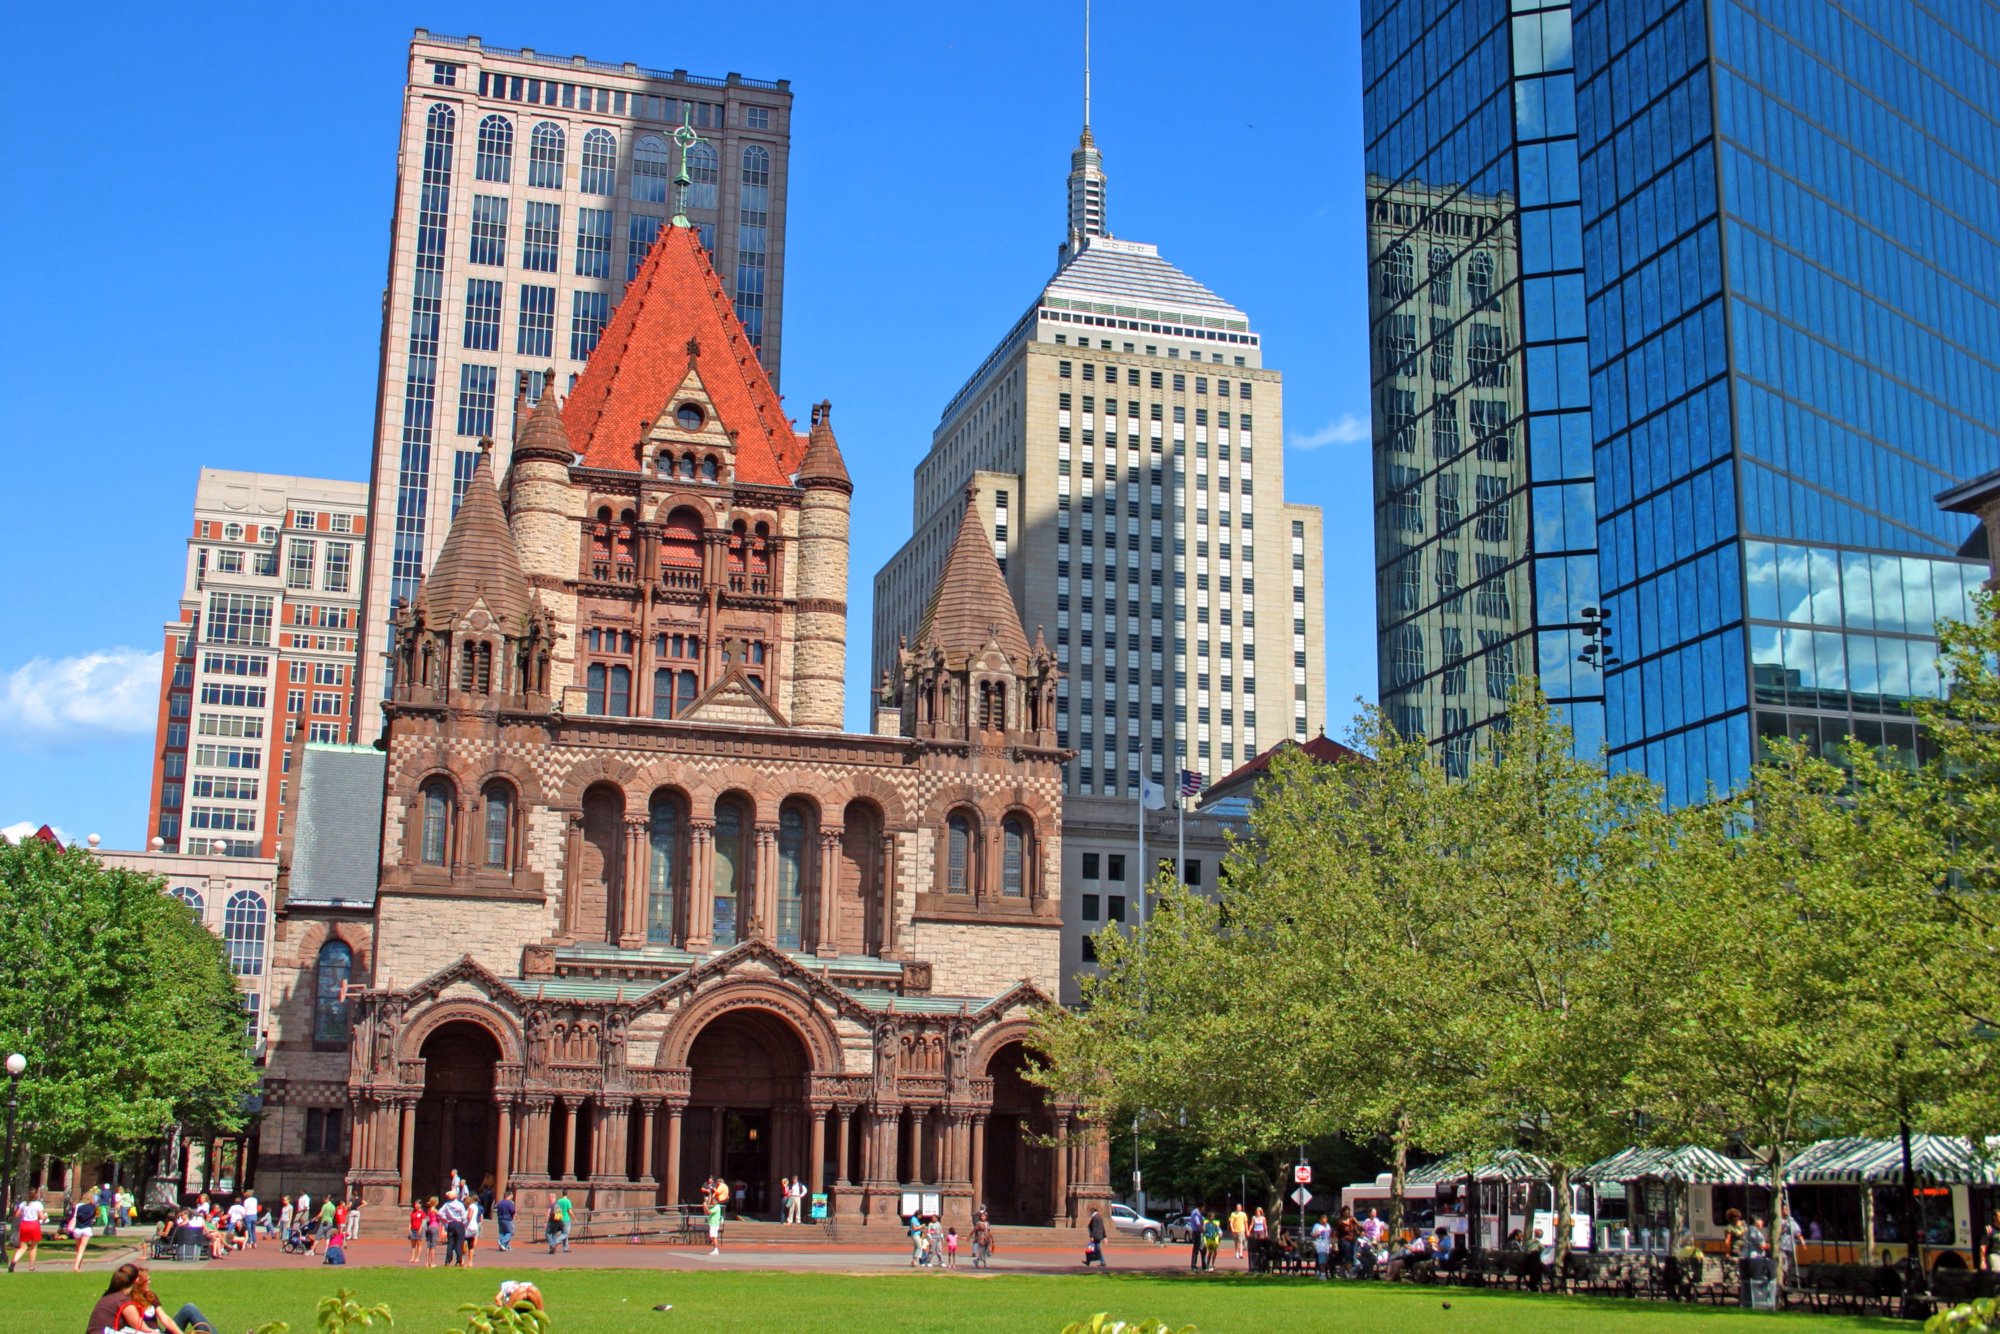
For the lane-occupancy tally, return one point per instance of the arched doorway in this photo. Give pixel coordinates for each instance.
(455, 1119)
(1018, 1175)
(746, 1120)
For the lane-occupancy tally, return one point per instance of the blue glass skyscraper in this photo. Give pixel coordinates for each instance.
(1790, 292)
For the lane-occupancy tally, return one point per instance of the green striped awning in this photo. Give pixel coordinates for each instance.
(1685, 1162)
(1940, 1160)
(1498, 1165)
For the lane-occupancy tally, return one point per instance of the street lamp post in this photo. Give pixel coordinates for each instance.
(16, 1065)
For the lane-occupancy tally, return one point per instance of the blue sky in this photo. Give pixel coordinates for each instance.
(197, 243)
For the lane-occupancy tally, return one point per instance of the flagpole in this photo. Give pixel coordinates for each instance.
(1143, 874)
(1180, 832)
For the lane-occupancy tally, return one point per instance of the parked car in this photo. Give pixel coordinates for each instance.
(1181, 1228)
(1136, 1224)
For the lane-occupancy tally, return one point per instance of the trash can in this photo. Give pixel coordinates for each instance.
(1759, 1280)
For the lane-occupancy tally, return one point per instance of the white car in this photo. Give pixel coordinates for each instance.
(1130, 1223)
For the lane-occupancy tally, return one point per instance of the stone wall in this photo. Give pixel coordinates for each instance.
(417, 935)
(981, 959)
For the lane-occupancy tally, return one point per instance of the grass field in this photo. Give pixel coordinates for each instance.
(611, 1301)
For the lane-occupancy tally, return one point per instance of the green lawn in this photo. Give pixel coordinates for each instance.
(604, 1301)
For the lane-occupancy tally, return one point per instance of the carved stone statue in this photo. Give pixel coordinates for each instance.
(537, 1040)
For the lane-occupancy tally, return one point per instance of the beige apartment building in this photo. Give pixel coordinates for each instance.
(260, 651)
(529, 186)
(1126, 442)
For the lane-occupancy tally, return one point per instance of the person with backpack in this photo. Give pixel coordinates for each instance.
(1095, 1252)
(555, 1229)
(82, 1226)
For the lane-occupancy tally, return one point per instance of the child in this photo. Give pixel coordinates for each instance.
(336, 1248)
(951, 1248)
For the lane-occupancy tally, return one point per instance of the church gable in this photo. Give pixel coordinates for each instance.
(734, 700)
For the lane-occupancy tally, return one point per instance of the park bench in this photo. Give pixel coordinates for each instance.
(1855, 1288)
(1953, 1286)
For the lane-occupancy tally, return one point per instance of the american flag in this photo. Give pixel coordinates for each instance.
(1192, 783)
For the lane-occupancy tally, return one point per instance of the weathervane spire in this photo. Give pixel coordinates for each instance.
(686, 138)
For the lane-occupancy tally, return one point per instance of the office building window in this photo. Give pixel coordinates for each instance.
(545, 156)
(537, 329)
(489, 230)
(496, 150)
(541, 236)
(704, 172)
(649, 170)
(593, 243)
(639, 235)
(588, 313)
(600, 163)
(477, 393)
(482, 314)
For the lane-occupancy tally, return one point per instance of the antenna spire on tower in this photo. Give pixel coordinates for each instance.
(1086, 64)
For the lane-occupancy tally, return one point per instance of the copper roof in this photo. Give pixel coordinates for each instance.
(971, 607)
(676, 316)
(543, 436)
(479, 559)
(823, 463)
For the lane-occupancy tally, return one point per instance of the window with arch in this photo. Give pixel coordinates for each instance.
(191, 896)
(663, 875)
(1479, 279)
(685, 691)
(1014, 857)
(649, 170)
(680, 538)
(243, 918)
(993, 705)
(435, 838)
(1399, 265)
(330, 1007)
(1440, 262)
(475, 667)
(545, 156)
(958, 854)
(710, 470)
(732, 865)
(704, 170)
(496, 150)
(792, 840)
(498, 826)
(600, 163)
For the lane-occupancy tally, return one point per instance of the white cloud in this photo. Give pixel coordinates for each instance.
(113, 690)
(1346, 429)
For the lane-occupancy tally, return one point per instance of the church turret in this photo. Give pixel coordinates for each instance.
(539, 504)
(475, 636)
(971, 675)
(820, 662)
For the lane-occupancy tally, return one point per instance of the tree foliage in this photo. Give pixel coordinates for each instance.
(121, 1000)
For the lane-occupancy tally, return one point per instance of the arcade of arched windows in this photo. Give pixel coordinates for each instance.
(679, 549)
(455, 828)
(714, 874)
(986, 862)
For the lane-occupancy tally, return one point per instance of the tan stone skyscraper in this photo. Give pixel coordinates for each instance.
(1126, 441)
(529, 186)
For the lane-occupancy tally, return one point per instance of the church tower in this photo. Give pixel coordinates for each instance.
(820, 664)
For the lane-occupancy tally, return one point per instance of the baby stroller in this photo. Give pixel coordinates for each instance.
(297, 1240)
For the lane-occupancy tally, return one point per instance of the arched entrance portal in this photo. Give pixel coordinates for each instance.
(746, 1120)
(1018, 1175)
(455, 1119)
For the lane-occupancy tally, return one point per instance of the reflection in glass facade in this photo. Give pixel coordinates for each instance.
(1790, 288)
(1486, 519)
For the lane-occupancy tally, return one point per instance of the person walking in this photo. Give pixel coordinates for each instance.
(1239, 1228)
(29, 1215)
(474, 1215)
(1789, 1235)
(982, 1241)
(416, 1229)
(1322, 1236)
(250, 1211)
(1195, 1223)
(503, 1220)
(1260, 1239)
(785, 1200)
(353, 1219)
(1096, 1251)
(1989, 1245)
(568, 1210)
(328, 1212)
(1211, 1242)
(934, 1242)
(452, 1211)
(1347, 1237)
(951, 1248)
(715, 1199)
(552, 1226)
(82, 1225)
(1754, 1261)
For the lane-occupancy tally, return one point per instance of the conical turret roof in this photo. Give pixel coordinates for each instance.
(479, 560)
(543, 437)
(823, 465)
(971, 607)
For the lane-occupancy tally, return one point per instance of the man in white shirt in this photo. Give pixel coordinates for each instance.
(800, 1193)
(252, 1214)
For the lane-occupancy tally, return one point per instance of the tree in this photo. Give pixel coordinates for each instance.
(123, 1001)
(1559, 853)
(1316, 996)
(1777, 956)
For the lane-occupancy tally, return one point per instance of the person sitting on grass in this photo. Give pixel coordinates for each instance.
(515, 1294)
(130, 1303)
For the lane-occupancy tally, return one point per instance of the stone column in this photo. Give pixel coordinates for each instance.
(919, 1122)
(503, 1155)
(763, 914)
(887, 890)
(978, 1164)
(718, 1121)
(846, 1115)
(701, 885)
(673, 1172)
(407, 1168)
(566, 1165)
(1060, 1214)
(826, 937)
(614, 1139)
(461, 835)
(816, 1178)
(572, 874)
(647, 1109)
(632, 915)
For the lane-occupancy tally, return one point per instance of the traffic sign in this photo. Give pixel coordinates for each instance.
(1302, 1197)
(1302, 1173)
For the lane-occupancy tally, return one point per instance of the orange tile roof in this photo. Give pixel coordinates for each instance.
(676, 313)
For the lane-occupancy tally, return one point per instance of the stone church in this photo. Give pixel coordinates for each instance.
(645, 914)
